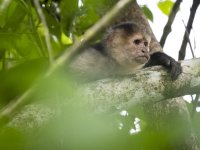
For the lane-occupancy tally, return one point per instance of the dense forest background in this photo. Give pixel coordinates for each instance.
(42, 110)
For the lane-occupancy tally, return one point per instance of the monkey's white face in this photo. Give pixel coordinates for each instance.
(129, 50)
(138, 48)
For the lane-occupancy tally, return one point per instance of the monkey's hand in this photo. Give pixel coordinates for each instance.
(159, 58)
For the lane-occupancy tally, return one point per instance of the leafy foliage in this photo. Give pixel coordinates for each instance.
(166, 6)
(22, 36)
(147, 12)
(64, 18)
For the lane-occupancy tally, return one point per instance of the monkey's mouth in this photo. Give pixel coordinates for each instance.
(145, 57)
(142, 59)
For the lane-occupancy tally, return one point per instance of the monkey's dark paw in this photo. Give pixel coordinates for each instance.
(159, 58)
(175, 69)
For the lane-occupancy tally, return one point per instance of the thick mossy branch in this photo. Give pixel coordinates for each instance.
(148, 85)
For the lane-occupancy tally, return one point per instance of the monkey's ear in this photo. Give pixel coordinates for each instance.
(159, 58)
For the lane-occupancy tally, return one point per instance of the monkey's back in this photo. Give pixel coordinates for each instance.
(91, 64)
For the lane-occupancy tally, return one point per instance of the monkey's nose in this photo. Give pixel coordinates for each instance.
(144, 51)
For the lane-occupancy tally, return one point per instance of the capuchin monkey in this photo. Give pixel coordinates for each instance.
(122, 51)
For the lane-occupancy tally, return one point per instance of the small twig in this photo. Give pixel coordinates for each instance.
(167, 28)
(188, 39)
(46, 29)
(35, 33)
(193, 9)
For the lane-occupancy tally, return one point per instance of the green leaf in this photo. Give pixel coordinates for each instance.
(147, 12)
(166, 6)
(90, 13)
(14, 17)
(6, 38)
(27, 47)
(65, 40)
(100, 7)
(85, 21)
(69, 10)
(18, 79)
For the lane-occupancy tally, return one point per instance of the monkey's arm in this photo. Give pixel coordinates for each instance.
(159, 58)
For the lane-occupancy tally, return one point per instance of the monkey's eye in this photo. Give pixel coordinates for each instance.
(145, 44)
(137, 41)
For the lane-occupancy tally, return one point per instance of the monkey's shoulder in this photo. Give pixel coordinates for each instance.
(92, 62)
(92, 56)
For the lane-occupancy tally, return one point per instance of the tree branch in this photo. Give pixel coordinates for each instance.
(167, 28)
(148, 85)
(189, 27)
(46, 29)
(145, 87)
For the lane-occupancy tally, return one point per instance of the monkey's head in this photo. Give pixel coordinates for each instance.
(128, 45)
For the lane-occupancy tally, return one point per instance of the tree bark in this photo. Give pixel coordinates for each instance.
(150, 85)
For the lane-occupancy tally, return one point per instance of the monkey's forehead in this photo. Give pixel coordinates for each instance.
(140, 35)
(131, 31)
(129, 27)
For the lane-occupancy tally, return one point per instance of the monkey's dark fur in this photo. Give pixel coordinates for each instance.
(123, 50)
